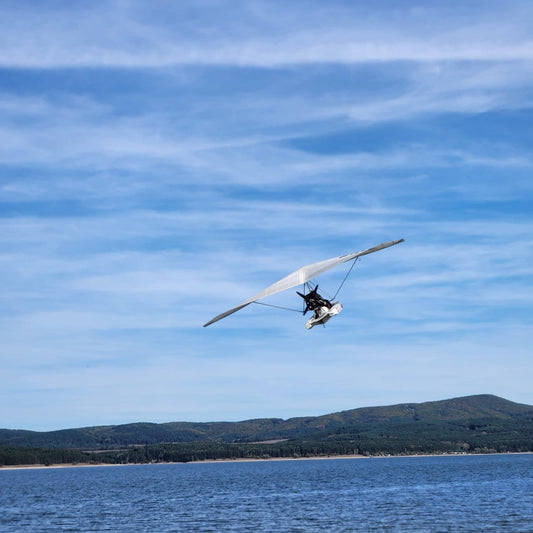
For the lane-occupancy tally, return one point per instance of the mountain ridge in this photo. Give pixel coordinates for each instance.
(472, 412)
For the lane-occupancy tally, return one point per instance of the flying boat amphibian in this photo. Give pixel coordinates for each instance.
(322, 308)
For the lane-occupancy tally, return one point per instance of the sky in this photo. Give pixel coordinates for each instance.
(162, 162)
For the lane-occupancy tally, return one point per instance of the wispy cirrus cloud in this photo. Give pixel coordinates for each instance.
(255, 34)
(159, 166)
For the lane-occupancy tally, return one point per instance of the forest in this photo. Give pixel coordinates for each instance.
(474, 424)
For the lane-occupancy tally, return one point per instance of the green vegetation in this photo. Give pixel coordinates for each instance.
(474, 424)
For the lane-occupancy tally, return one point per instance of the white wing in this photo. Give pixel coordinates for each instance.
(302, 275)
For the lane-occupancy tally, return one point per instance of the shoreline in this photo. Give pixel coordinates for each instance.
(252, 460)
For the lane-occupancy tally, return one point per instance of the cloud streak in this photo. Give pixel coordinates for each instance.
(256, 36)
(162, 167)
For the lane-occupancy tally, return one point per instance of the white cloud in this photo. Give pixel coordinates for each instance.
(255, 34)
(139, 202)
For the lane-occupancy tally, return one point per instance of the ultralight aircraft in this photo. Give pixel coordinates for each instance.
(323, 308)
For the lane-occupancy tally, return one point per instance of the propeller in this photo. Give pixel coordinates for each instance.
(306, 302)
(309, 298)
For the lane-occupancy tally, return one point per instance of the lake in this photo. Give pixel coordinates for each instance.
(412, 494)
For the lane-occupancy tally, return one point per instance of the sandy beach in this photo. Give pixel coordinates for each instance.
(239, 460)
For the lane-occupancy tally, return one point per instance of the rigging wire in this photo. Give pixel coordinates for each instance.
(345, 278)
(277, 307)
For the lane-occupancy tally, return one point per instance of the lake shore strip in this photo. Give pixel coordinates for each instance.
(251, 460)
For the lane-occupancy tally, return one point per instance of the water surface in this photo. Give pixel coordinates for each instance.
(433, 494)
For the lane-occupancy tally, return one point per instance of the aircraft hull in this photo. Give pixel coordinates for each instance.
(324, 316)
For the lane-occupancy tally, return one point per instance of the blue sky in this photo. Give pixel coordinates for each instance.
(161, 163)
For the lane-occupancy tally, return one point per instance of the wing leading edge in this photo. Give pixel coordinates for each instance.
(301, 276)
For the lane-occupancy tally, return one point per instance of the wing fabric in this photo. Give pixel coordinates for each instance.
(302, 275)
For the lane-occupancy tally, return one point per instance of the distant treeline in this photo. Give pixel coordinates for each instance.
(187, 452)
(13, 456)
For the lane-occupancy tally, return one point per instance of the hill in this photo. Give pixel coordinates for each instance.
(472, 424)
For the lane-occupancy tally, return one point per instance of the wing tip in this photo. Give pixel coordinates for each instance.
(225, 314)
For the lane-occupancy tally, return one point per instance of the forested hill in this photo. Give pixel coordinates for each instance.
(451, 420)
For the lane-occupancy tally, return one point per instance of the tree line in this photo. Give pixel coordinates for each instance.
(188, 452)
